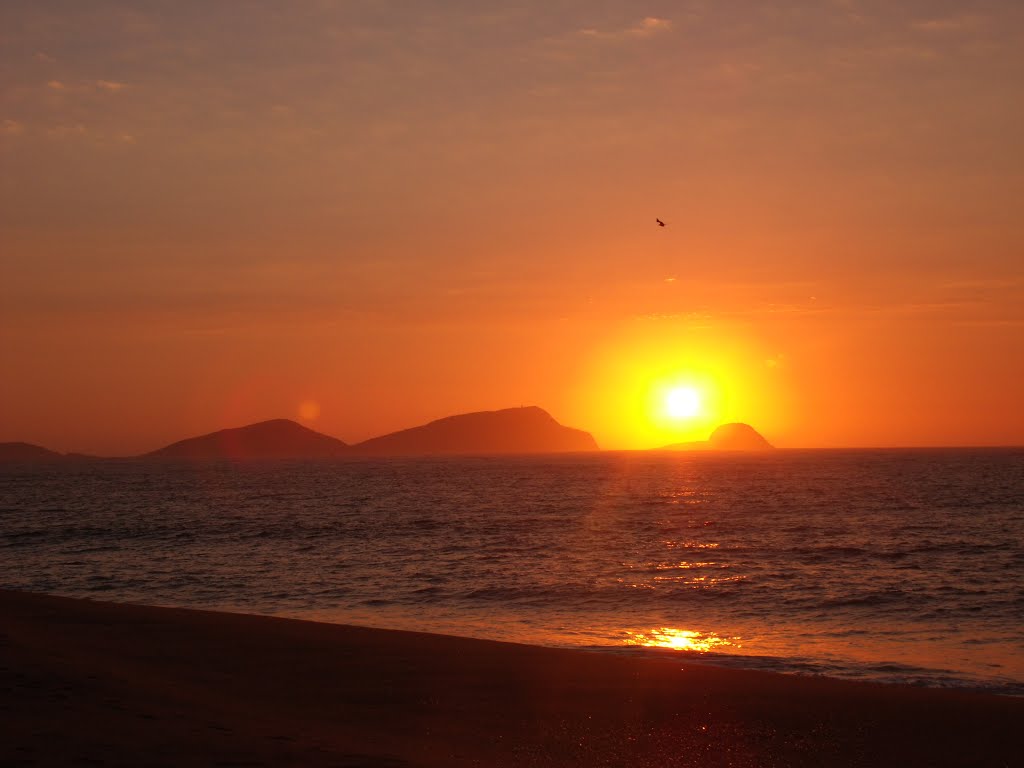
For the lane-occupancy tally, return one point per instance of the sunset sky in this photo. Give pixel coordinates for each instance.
(368, 214)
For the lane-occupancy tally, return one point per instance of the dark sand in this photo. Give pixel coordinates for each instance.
(89, 683)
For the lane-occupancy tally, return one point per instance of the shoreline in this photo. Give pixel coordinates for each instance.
(887, 672)
(878, 671)
(86, 681)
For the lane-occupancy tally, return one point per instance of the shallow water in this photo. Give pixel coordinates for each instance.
(902, 566)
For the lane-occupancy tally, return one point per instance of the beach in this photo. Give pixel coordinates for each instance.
(93, 683)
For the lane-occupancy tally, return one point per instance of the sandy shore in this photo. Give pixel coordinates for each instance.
(91, 683)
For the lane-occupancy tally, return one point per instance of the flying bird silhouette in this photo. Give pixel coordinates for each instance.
(660, 222)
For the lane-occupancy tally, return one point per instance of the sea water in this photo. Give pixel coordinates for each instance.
(886, 565)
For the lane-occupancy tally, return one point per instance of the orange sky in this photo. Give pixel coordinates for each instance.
(401, 211)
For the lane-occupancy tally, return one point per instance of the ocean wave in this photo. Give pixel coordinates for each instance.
(806, 550)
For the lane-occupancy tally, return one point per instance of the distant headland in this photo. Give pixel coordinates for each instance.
(508, 431)
(274, 439)
(27, 452)
(511, 430)
(735, 436)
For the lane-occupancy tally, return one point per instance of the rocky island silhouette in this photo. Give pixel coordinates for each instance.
(734, 436)
(512, 430)
(274, 439)
(26, 452)
(522, 430)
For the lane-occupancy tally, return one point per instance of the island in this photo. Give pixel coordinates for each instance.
(274, 439)
(26, 452)
(523, 430)
(511, 430)
(734, 436)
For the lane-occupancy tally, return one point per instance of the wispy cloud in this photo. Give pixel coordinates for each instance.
(949, 23)
(67, 131)
(650, 25)
(646, 27)
(987, 284)
(11, 127)
(915, 54)
(849, 10)
(87, 86)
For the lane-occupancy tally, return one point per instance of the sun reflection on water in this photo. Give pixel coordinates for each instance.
(681, 640)
(673, 544)
(696, 574)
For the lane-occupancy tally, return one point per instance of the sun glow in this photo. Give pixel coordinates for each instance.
(665, 382)
(682, 402)
(681, 405)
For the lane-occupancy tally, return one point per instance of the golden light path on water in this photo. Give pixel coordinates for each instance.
(681, 640)
(673, 638)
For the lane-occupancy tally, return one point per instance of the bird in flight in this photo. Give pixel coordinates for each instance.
(660, 222)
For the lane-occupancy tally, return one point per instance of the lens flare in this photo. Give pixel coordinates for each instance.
(309, 410)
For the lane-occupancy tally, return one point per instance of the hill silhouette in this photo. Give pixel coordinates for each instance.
(26, 452)
(737, 437)
(734, 436)
(511, 430)
(275, 439)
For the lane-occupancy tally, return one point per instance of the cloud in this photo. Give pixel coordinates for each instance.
(87, 86)
(849, 10)
(11, 128)
(650, 26)
(920, 54)
(948, 23)
(646, 27)
(67, 130)
(984, 283)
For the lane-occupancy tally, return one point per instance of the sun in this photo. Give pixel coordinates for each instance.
(682, 403)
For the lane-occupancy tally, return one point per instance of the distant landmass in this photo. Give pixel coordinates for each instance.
(511, 430)
(275, 439)
(26, 452)
(507, 431)
(735, 436)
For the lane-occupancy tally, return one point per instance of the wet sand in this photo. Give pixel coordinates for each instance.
(92, 683)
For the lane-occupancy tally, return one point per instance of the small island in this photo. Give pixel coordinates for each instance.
(734, 436)
(274, 439)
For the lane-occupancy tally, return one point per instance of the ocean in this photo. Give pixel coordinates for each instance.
(885, 565)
